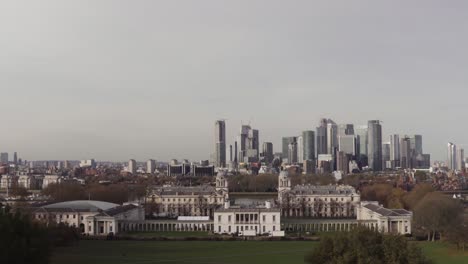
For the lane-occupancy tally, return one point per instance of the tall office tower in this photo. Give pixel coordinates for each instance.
(132, 166)
(386, 156)
(15, 158)
(332, 137)
(308, 143)
(4, 158)
(451, 156)
(405, 153)
(362, 140)
(236, 152)
(375, 145)
(300, 149)
(66, 164)
(220, 144)
(322, 137)
(285, 146)
(230, 153)
(395, 150)
(292, 153)
(416, 144)
(342, 162)
(248, 144)
(150, 166)
(268, 152)
(460, 159)
(345, 129)
(347, 144)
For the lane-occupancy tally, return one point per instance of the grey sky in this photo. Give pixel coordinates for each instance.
(147, 79)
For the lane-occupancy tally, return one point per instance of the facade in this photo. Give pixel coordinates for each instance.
(405, 153)
(375, 145)
(174, 201)
(342, 162)
(386, 164)
(285, 146)
(248, 145)
(332, 137)
(50, 179)
(27, 181)
(248, 221)
(460, 159)
(396, 221)
(345, 129)
(150, 166)
(8, 181)
(308, 145)
(300, 149)
(220, 144)
(292, 153)
(361, 140)
(334, 201)
(87, 163)
(451, 156)
(91, 217)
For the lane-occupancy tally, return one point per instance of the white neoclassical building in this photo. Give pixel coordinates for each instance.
(325, 201)
(248, 221)
(91, 217)
(397, 221)
(174, 201)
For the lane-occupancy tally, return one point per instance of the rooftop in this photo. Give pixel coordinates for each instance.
(183, 190)
(387, 212)
(82, 205)
(323, 189)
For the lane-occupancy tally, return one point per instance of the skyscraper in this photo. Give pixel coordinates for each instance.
(405, 153)
(268, 152)
(150, 166)
(322, 137)
(395, 150)
(292, 153)
(361, 140)
(308, 141)
(285, 146)
(220, 144)
(345, 129)
(347, 144)
(132, 166)
(4, 158)
(460, 159)
(375, 145)
(248, 139)
(386, 155)
(332, 137)
(451, 156)
(300, 149)
(15, 158)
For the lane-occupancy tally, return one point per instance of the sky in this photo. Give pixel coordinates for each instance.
(114, 80)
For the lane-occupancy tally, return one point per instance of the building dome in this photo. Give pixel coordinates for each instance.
(83, 205)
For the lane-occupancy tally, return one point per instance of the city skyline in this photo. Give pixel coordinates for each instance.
(150, 83)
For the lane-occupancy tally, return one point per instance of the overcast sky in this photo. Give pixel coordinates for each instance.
(114, 80)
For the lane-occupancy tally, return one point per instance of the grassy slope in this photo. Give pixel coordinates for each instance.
(118, 252)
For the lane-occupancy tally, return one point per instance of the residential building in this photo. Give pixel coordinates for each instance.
(150, 166)
(132, 166)
(460, 159)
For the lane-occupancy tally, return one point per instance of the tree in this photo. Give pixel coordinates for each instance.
(365, 246)
(416, 195)
(66, 191)
(19, 191)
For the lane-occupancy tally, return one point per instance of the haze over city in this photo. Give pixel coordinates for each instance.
(147, 79)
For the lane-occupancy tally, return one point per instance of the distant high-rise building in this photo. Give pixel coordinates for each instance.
(451, 156)
(132, 168)
(362, 140)
(300, 149)
(15, 158)
(386, 155)
(322, 137)
(248, 144)
(460, 159)
(268, 152)
(405, 153)
(308, 142)
(375, 145)
(4, 158)
(395, 150)
(347, 144)
(88, 163)
(220, 143)
(345, 129)
(342, 162)
(66, 164)
(285, 145)
(292, 153)
(150, 166)
(416, 144)
(332, 137)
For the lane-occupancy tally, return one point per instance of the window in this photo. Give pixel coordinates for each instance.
(68, 216)
(274, 228)
(229, 228)
(110, 229)
(89, 228)
(219, 218)
(229, 219)
(263, 229)
(60, 216)
(274, 218)
(82, 218)
(219, 229)
(74, 216)
(264, 218)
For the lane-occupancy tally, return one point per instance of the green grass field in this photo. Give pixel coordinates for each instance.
(167, 234)
(205, 252)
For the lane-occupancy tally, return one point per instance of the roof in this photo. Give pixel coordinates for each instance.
(324, 189)
(183, 190)
(118, 210)
(82, 205)
(387, 212)
(193, 218)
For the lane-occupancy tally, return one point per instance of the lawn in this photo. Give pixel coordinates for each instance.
(167, 234)
(206, 252)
